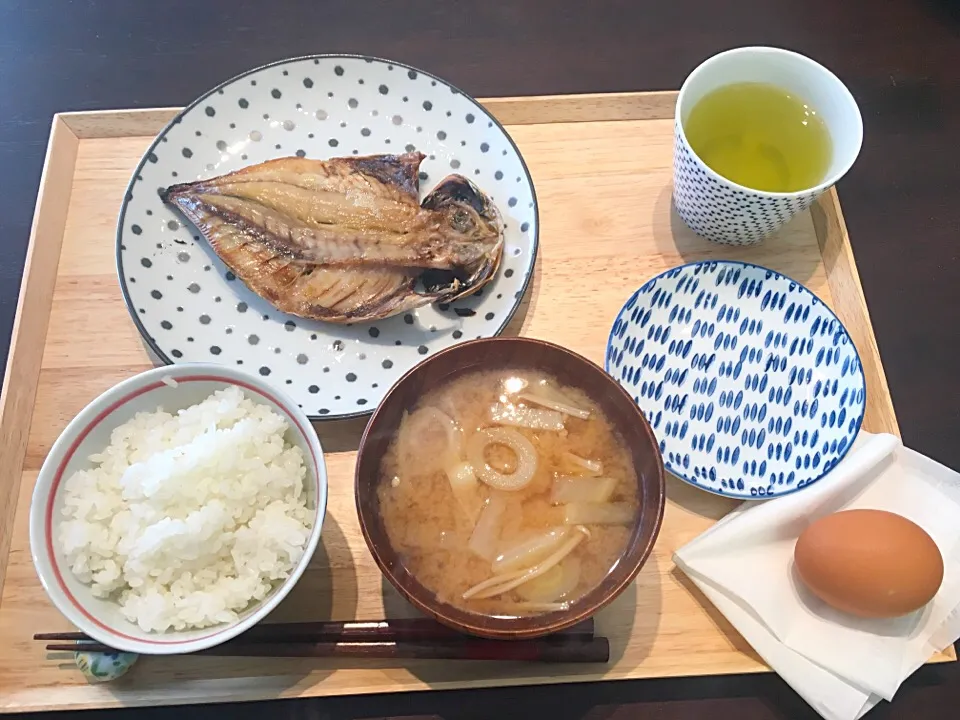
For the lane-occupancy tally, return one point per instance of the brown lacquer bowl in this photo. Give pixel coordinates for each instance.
(570, 369)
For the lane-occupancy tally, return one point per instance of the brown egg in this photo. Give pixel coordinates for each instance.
(870, 563)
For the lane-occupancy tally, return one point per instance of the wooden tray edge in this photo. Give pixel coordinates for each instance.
(31, 321)
(850, 305)
(236, 691)
(529, 110)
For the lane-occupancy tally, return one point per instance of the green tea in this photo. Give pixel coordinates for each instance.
(760, 136)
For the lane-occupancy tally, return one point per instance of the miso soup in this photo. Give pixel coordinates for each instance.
(506, 493)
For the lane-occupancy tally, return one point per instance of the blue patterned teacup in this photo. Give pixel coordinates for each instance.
(719, 209)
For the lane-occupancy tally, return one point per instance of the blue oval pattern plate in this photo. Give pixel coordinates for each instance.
(752, 385)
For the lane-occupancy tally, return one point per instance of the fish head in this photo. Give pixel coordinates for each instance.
(469, 214)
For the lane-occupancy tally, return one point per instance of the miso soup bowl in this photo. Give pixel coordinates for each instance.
(512, 353)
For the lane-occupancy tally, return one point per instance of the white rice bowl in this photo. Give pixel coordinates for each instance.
(169, 526)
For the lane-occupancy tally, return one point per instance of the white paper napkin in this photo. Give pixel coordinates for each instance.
(840, 664)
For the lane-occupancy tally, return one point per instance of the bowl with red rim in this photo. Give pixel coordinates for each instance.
(173, 388)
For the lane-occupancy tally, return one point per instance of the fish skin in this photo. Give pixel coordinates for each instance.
(345, 240)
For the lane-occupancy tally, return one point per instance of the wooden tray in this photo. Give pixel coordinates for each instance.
(602, 168)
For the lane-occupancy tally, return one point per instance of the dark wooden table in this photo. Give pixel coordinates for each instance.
(900, 59)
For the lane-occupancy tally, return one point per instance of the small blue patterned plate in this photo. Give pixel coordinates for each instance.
(752, 385)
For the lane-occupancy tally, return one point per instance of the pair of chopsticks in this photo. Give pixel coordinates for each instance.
(418, 638)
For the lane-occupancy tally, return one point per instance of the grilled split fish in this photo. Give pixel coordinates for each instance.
(346, 240)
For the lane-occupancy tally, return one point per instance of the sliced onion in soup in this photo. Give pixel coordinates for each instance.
(466, 489)
(526, 417)
(555, 584)
(582, 489)
(500, 584)
(531, 551)
(486, 533)
(523, 448)
(428, 440)
(547, 388)
(588, 513)
(563, 407)
(581, 466)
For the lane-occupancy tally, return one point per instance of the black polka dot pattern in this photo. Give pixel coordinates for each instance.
(718, 210)
(192, 308)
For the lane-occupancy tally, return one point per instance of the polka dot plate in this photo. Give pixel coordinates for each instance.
(190, 308)
(752, 385)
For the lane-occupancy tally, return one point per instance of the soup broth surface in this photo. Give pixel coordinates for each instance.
(508, 494)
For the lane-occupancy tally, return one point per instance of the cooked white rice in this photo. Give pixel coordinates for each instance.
(186, 519)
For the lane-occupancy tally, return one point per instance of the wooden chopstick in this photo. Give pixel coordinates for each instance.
(594, 650)
(404, 638)
(401, 630)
